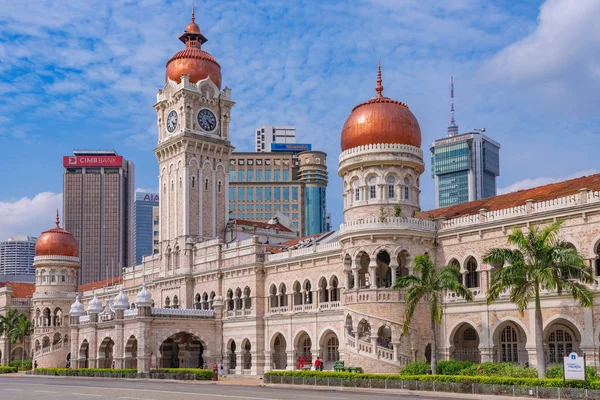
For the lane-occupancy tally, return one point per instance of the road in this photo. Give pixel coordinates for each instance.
(20, 388)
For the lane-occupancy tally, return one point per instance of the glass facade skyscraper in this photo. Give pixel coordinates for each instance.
(464, 168)
(143, 225)
(16, 259)
(313, 172)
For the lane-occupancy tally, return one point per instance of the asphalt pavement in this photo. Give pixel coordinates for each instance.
(54, 388)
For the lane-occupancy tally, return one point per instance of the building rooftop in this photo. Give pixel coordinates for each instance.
(20, 290)
(117, 280)
(508, 200)
(21, 238)
(258, 224)
(95, 152)
(299, 243)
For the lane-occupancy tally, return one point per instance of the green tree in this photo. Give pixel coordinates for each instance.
(19, 331)
(540, 260)
(430, 283)
(7, 321)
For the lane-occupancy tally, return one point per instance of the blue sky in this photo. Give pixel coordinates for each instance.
(82, 74)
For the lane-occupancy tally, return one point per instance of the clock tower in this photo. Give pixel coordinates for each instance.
(193, 151)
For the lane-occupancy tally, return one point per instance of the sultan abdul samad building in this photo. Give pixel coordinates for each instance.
(261, 308)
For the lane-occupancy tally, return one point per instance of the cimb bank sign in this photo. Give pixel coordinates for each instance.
(92, 161)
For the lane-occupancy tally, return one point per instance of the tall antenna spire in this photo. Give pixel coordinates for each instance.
(193, 15)
(452, 128)
(379, 87)
(57, 219)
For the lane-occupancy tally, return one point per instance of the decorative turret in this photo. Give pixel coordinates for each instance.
(76, 308)
(144, 297)
(95, 305)
(121, 301)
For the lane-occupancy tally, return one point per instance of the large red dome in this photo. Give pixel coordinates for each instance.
(56, 242)
(380, 120)
(193, 61)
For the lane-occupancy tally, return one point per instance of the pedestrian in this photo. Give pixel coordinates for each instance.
(318, 364)
(221, 367)
(35, 364)
(205, 365)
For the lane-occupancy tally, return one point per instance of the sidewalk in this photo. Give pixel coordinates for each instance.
(416, 393)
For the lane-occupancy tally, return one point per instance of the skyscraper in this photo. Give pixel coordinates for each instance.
(98, 189)
(264, 185)
(143, 226)
(268, 134)
(16, 259)
(464, 167)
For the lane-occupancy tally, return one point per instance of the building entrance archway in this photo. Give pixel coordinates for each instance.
(105, 353)
(182, 350)
(466, 344)
(279, 352)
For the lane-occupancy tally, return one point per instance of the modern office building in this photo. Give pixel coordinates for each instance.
(464, 168)
(155, 229)
(16, 259)
(261, 185)
(143, 225)
(313, 173)
(98, 192)
(267, 135)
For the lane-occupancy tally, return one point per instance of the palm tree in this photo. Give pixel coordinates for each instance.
(541, 260)
(18, 331)
(7, 321)
(430, 283)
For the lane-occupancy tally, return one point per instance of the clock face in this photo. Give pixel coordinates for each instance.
(172, 121)
(207, 120)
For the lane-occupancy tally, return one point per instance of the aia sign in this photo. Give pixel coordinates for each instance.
(150, 197)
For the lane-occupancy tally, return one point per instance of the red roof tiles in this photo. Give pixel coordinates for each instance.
(259, 224)
(540, 193)
(117, 280)
(20, 290)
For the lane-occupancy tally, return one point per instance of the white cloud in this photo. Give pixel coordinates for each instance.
(29, 216)
(560, 57)
(541, 181)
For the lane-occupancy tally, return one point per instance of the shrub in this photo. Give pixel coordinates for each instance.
(489, 380)
(17, 363)
(7, 370)
(199, 374)
(115, 373)
(556, 371)
(416, 368)
(500, 370)
(452, 367)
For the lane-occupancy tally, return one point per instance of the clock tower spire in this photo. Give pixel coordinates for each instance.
(193, 151)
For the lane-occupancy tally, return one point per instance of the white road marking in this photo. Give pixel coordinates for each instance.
(14, 390)
(135, 398)
(86, 394)
(153, 391)
(45, 391)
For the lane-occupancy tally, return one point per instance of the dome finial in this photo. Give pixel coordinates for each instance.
(379, 88)
(193, 15)
(57, 219)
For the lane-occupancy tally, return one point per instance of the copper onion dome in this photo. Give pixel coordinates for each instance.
(380, 120)
(56, 242)
(193, 61)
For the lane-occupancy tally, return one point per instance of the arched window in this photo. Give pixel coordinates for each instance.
(172, 185)
(247, 299)
(230, 303)
(206, 184)
(598, 259)
(219, 186)
(469, 334)
(63, 276)
(167, 302)
(391, 182)
(273, 296)
(180, 183)
(175, 302)
(176, 257)
(308, 293)
(212, 297)
(406, 189)
(164, 188)
(560, 344)
(356, 191)
(372, 187)
(53, 276)
(238, 299)
(509, 351)
(193, 181)
(472, 276)
(169, 260)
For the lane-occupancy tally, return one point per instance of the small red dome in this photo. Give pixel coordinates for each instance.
(380, 120)
(56, 242)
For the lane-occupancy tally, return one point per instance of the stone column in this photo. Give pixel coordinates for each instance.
(315, 299)
(239, 367)
(291, 360)
(393, 265)
(356, 281)
(373, 274)
(374, 344)
(396, 348)
(119, 346)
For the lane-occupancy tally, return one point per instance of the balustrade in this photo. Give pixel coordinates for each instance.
(278, 310)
